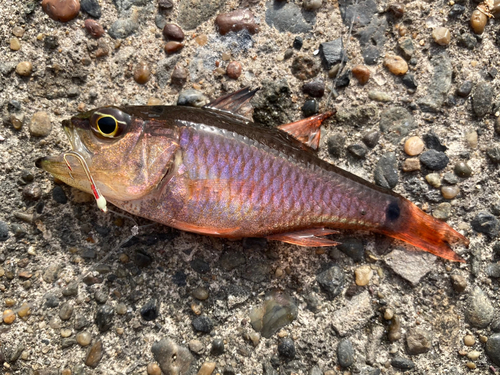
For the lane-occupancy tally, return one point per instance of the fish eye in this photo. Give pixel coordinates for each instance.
(107, 126)
(109, 122)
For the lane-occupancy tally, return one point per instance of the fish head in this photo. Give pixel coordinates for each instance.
(126, 153)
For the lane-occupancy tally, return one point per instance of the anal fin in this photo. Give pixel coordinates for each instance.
(307, 238)
(307, 130)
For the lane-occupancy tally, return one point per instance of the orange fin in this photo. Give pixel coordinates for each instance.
(235, 102)
(307, 238)
(307, 130)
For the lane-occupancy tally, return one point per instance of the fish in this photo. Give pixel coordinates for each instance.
(212, 171)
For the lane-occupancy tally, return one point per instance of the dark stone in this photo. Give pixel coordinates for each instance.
(202, 324)
(358, 150)
(310, 107)
(331, 281)
(200, 266)
(51, 300)
(371, 138)
(336, 145)
(396, 123)
(456, 11)
(91, 7)
(257, 271)
(345, 353)
(409, 81)
(165, 4)
(305, 67)
(67, 343)
(461, 169)
(66, 311)
(228, 370)
(286, 348)
(4, 231)
(51, 42)
(386, 172)
(332, 53)
(316, 89)
(464, 89)
(439, 86)
(370, 54)
(468, 41)
(217, 347)
(297, 43)
(277, 311)
(343, 80)
(122, 28)
(80, 322)
(432, 142)
(149, 311)
(142, 260)
(494, 154)
(402, 363)
(288, 17)
(406, 48)
(493, 270)
(104, 317)
(353, 248)
(434, 160)
(179, 76)
(486, 223)
(59, 195)
(482, 99)
(493, 348)
(495, 325)
(288, 54)
(179, 278)
(358, 14)
(273, 104)
(172, 358)
(71, 289)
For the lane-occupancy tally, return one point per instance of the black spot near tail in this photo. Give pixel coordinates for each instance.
(393, 211)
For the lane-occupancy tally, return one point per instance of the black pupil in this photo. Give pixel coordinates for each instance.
(107, 125)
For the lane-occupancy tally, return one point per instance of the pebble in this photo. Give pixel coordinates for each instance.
(450, 192)
(277, 310)
(83, 338)
(410, 265)
(202, 324)
(316, 89)
(442, 211)
(179, 76)
(386, 173)
(305, 67)
(100, 295)
(286, 347)
(149, 311)
(493, 270)
(395, 123)
(473, 355)
(240, 19)
(104, 317)
(61, 10)
(411, 165)
(371, 138)
(173, 32)
(312, 4)
(418, 341)
(410, 81)
(24, 68)
(468, 41)
(32, 192)
(196, 346)
(122, 28)
(406, 48)
(469, 340)
(310, 107)
(493, 348)
(297, 43)
(379, 96)
(15, 44)
(478, 21)
(287, 17)
(414, 146)
(388, 314)
(66, 332)
(66, 311)
(433, 179)
(172, 47)
(24, 310)
(233, 70)
(59, 195)
(456, 11)
(434, 160)
(363, 275)
(361, 73)
(217, 347)
(486, 223)
(471, 138)
(396, 64)
(441, 36)
(464, 89)
(402, 363)
(471, 365)
(172, 358)
(440, 84)
(479, 310)
(192, 98)
(207, 368)
(9, 316)
(94, 28)
(142, 73)
(332, 53)
(459, 283)
(353, 248)
(18, 31)
(345, 353)
(91, 7)
(331, 281)
(493, 153)
(40, 125)
(482, 99)
(462, 169)
(200, 293)
(94, 354)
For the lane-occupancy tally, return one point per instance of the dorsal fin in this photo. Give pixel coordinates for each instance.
(234, 102)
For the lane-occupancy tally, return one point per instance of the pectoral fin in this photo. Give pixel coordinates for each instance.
(307, 238)
(307, 130)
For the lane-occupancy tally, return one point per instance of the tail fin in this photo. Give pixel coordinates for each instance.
(424, 231)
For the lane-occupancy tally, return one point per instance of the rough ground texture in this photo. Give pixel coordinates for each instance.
(188, 296)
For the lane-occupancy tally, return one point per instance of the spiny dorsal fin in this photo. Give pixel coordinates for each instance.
(235, 102)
